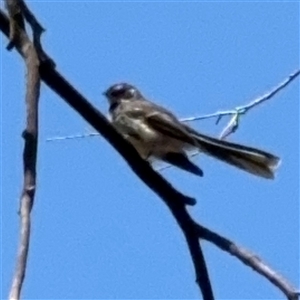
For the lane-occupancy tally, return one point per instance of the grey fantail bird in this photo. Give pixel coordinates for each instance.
(157, 134)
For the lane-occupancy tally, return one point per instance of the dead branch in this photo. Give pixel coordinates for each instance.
(19, 38)
(237, 112)
(248, 258)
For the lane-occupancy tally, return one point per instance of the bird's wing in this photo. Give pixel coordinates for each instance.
(166, 123)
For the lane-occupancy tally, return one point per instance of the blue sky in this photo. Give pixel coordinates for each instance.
(98, 232)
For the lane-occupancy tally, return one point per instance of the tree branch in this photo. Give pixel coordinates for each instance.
(20, 39)
(248, 258)
(236, 113)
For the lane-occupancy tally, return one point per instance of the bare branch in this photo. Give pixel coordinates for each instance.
(236, 113)
(231, 126)
(37, 31)
(16, 22)
(250, 259)
(71, 137)
(36, 26)
(20, 39)
(244, 109)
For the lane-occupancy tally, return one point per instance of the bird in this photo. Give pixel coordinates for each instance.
(157, 134)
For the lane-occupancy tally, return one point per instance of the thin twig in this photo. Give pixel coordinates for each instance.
(37, 31)
(20, 39)
(245, 108)
(71, 137)
(231, 127)
(248, 258)
(36, 26)
(233, 123)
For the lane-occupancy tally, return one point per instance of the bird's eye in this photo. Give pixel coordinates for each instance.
(118, 92)
(131, 92)
(123, 93)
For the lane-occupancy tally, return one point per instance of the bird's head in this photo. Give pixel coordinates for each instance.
(120, 92)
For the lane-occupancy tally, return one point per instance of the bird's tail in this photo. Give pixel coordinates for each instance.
(249, 159)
